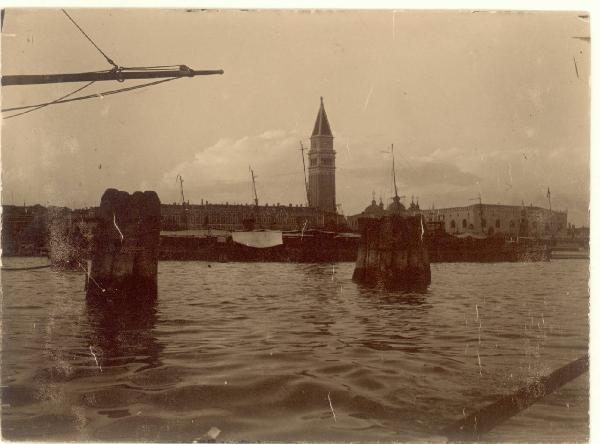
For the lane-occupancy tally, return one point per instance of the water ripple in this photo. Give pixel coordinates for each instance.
(267, 351)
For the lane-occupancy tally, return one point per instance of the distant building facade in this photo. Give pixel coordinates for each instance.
(29, 230)
(487, 219)
(24, 229)
(511, 220)
(321, 167)
(238, 217)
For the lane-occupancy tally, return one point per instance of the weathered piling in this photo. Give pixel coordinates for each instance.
(125, 245)
(473, 427)
(393, 253)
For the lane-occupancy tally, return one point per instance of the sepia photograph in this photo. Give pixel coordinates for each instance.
(295, 225)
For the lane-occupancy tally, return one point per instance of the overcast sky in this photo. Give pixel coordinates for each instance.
(490, 103)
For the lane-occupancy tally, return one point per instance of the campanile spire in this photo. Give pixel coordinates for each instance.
(321, 168)
(322, 127)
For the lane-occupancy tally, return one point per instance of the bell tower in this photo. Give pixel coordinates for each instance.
(321, 169)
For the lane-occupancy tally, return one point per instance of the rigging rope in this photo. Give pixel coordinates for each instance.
(108, 59)
(116, 68)
(90, 96)
(42, 105)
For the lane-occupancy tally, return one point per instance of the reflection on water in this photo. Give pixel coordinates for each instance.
(121, 330)
(389, 298)
(398, 310)
(270, 351)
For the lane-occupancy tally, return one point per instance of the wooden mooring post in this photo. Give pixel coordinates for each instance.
(125, 245)
(393, 253)
(477, 424)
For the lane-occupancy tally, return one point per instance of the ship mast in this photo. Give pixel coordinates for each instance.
(255, 194)
(184, 210)
(254, 186)
(551, 215)
(305, 181)
(396, 198)
(180, 179)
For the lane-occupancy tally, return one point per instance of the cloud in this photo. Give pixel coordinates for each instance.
(453, 175)
(415, 175)
(437, 173)
(220, 172)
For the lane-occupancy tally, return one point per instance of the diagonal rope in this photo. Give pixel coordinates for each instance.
(108, 59)
(42, 105)
(90, 96)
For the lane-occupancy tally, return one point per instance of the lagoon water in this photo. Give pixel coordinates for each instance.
(281, 352)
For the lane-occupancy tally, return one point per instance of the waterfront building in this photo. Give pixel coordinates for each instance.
(510, 220)
(321, 167)
(24, 229)
(245, 216)
(487, 219)
(29, 230)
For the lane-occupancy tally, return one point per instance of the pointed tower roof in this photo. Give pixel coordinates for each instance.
(322, 124)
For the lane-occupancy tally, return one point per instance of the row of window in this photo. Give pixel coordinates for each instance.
(233, 219)
(512, 224)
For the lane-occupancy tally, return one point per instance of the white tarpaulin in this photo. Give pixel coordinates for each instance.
(258, 239)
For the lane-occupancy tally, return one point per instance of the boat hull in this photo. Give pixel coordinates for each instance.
(331, 247)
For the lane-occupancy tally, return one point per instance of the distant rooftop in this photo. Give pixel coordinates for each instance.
(530, 206)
